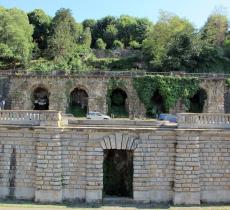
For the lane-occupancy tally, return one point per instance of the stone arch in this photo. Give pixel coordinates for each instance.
(78, 101)
(119, 142)
(119, 106)
(40, 97)
(198, 101)
(158, 104)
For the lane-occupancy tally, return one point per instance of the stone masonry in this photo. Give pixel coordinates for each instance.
(57, 163)
(21, 90)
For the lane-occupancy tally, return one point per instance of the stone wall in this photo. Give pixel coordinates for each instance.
(52, 164)
(4, 91)
(59, 88)
(22, 88)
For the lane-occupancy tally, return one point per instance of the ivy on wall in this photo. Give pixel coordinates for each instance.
(113, 84)
(170, 88)
(227, 82)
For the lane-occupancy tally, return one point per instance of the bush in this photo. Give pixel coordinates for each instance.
(100, 44)
(135, 45)
(117, 44)
(40, 65)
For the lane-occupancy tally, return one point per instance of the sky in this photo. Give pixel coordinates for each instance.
(197, 11)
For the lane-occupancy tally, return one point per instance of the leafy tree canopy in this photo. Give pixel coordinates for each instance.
(15, 36)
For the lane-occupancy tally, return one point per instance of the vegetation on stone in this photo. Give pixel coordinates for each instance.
(170, 88)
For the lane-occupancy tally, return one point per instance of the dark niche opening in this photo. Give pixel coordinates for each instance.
(197, 101)
(78, 105)
(119, 103)
(41, 99)
(158, 105)
(118, 173)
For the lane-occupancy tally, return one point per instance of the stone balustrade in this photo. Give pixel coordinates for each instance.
(31, 117)
(203, 120)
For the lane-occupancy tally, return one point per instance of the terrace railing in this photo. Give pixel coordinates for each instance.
(33, 118)
(204, 120)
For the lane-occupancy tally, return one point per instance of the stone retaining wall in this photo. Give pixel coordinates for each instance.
(21, 91)
(51, 164)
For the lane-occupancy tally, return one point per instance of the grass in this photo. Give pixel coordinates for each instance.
(24, 205)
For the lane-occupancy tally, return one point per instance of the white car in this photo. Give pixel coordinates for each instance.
(97, 116)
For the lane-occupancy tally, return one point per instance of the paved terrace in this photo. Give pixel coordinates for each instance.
(56, 119)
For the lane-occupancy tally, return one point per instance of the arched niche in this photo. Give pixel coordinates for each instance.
(157, 105)
(119, 103)
(40, 99)
(78, 103)
(197, 102)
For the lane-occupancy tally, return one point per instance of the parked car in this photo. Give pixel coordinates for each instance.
(97, 116)
(168, 117)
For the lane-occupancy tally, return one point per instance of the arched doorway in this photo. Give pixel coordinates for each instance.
(78, 105)
(40, 99)
(157, 105)
(197, 102)
(119, 103)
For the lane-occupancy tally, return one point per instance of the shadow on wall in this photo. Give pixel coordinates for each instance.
(197, 102)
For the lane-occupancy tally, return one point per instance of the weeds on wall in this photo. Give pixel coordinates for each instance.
(170, 88)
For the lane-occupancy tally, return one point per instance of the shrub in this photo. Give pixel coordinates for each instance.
(117, 44)
(135, 45)
(100, 44)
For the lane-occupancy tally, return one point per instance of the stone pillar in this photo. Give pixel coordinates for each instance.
(48, 172)
(5, 152)
(187, 169)
(94, 173)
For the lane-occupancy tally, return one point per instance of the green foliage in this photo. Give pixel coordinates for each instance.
(135, 45)
(41, 23)
(40, 65)
(100, 27)
(119, 111)
(89, 23)
(113, 63)
(64, 34)
(215, 29)
(117, 44)
(86, 38)
(162, 36)
(170, 88)
(100, 44)
(77, 111)
(110, 35)
(15, 36)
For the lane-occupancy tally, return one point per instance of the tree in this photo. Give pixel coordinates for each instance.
(64, 36)
(161, 35)
(100, 28)
(89, 23)
(215, 29)
(86, 38)
(16, 42)
(110, 35)
(183, 52)
(41, 23)
(126, 26)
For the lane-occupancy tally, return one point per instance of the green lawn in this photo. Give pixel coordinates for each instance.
(26, 205)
